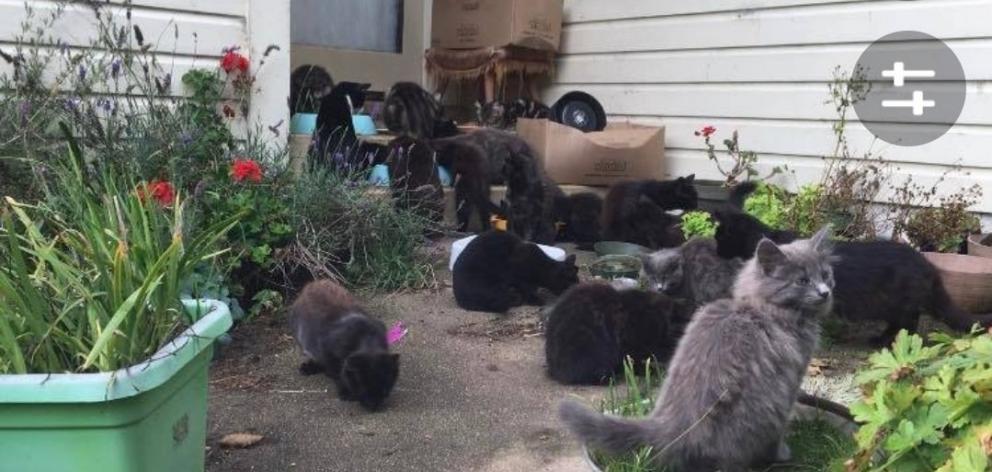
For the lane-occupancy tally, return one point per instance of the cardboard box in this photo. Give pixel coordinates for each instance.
(468, 24)
(620, 152)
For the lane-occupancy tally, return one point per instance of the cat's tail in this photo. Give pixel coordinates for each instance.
(951, 313)
(740, 193)
(607, 433)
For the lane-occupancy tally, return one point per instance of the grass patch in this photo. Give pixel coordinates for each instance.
(816, 445)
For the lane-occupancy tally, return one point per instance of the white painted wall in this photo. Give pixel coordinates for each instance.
(762, 67)
(189, 34)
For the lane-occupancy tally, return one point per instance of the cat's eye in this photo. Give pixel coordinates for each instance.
(803, 281)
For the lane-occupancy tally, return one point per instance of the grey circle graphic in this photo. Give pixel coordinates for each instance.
(917, 88)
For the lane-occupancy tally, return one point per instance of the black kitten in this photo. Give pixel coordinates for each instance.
(307, 85)
(875, 280)
(738, 234)
(414, 178)
(469, 166)
(635, 211)
(531, 198)
(335, 131)
(411, 110)
(581, 213)
(593, 327)
(498, 271)
(341, 340)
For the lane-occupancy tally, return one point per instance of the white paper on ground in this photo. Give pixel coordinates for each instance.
(458, 246)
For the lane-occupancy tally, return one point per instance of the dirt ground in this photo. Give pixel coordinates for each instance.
(472, 396)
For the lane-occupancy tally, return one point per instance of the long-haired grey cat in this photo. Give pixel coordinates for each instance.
(692, 272)
(736, 373)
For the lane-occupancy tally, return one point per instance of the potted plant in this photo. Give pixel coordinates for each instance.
(942, 234)
(102, 366)
(980, 244)
(742, 167)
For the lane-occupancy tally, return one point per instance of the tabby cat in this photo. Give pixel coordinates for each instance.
(411, 110)
(307, 85)
(504, 115)
(693, 272)
(414, 178)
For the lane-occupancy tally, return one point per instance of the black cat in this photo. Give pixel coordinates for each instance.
(414, 178)
(581, 213)
(533, 199)
(335, 134)
(497, 271)
(411, 110)
(469, 166)
(593, 327)
(874, 280)
(307, 85)
(635, 211)
(341, 340)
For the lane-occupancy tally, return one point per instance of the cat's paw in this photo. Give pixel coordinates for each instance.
(783, 454)
(309, 367)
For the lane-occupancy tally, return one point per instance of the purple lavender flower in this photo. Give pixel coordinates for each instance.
(82, 72)
(25, 110)
(186, 138)
(115, 68)
(71, 104)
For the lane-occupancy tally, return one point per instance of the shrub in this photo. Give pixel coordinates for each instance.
(91, 281)
(698, 224)
(743, 165)
(926, 407)
(351, 231)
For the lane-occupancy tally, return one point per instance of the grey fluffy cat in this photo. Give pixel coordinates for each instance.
(736, 372)
(692, 272)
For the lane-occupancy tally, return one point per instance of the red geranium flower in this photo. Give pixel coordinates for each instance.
(706, 132)
(246, 169)
(161, 191)
(233, 61)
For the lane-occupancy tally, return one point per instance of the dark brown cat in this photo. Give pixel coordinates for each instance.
(341, 340)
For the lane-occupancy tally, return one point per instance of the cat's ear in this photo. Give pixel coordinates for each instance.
(690, 178)
(821, 240)
(769, 256)
(364, 87)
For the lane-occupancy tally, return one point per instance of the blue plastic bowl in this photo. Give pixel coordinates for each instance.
(364, 126)
(303, 123)
(445, 176)
(379, 175)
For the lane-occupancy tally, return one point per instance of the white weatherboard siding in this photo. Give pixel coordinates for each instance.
(762, 67)
(187, 34)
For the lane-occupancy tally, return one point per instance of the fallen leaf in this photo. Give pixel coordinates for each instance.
(240, 440)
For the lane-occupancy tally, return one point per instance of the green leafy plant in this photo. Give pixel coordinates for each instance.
(94, 285)
(265, 301)
(698, 224)
(926, 407)
(768, 204)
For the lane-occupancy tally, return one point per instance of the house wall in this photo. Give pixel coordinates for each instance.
(186, 34)
(763, 67)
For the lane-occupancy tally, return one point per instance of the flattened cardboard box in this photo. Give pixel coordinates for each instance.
(469, 24)
(620, 152)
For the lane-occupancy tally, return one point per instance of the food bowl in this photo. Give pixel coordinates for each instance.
(619, 248)
(616, 266)
(303, 123)
(364, 125)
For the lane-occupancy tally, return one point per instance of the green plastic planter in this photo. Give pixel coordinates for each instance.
(149, 417)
